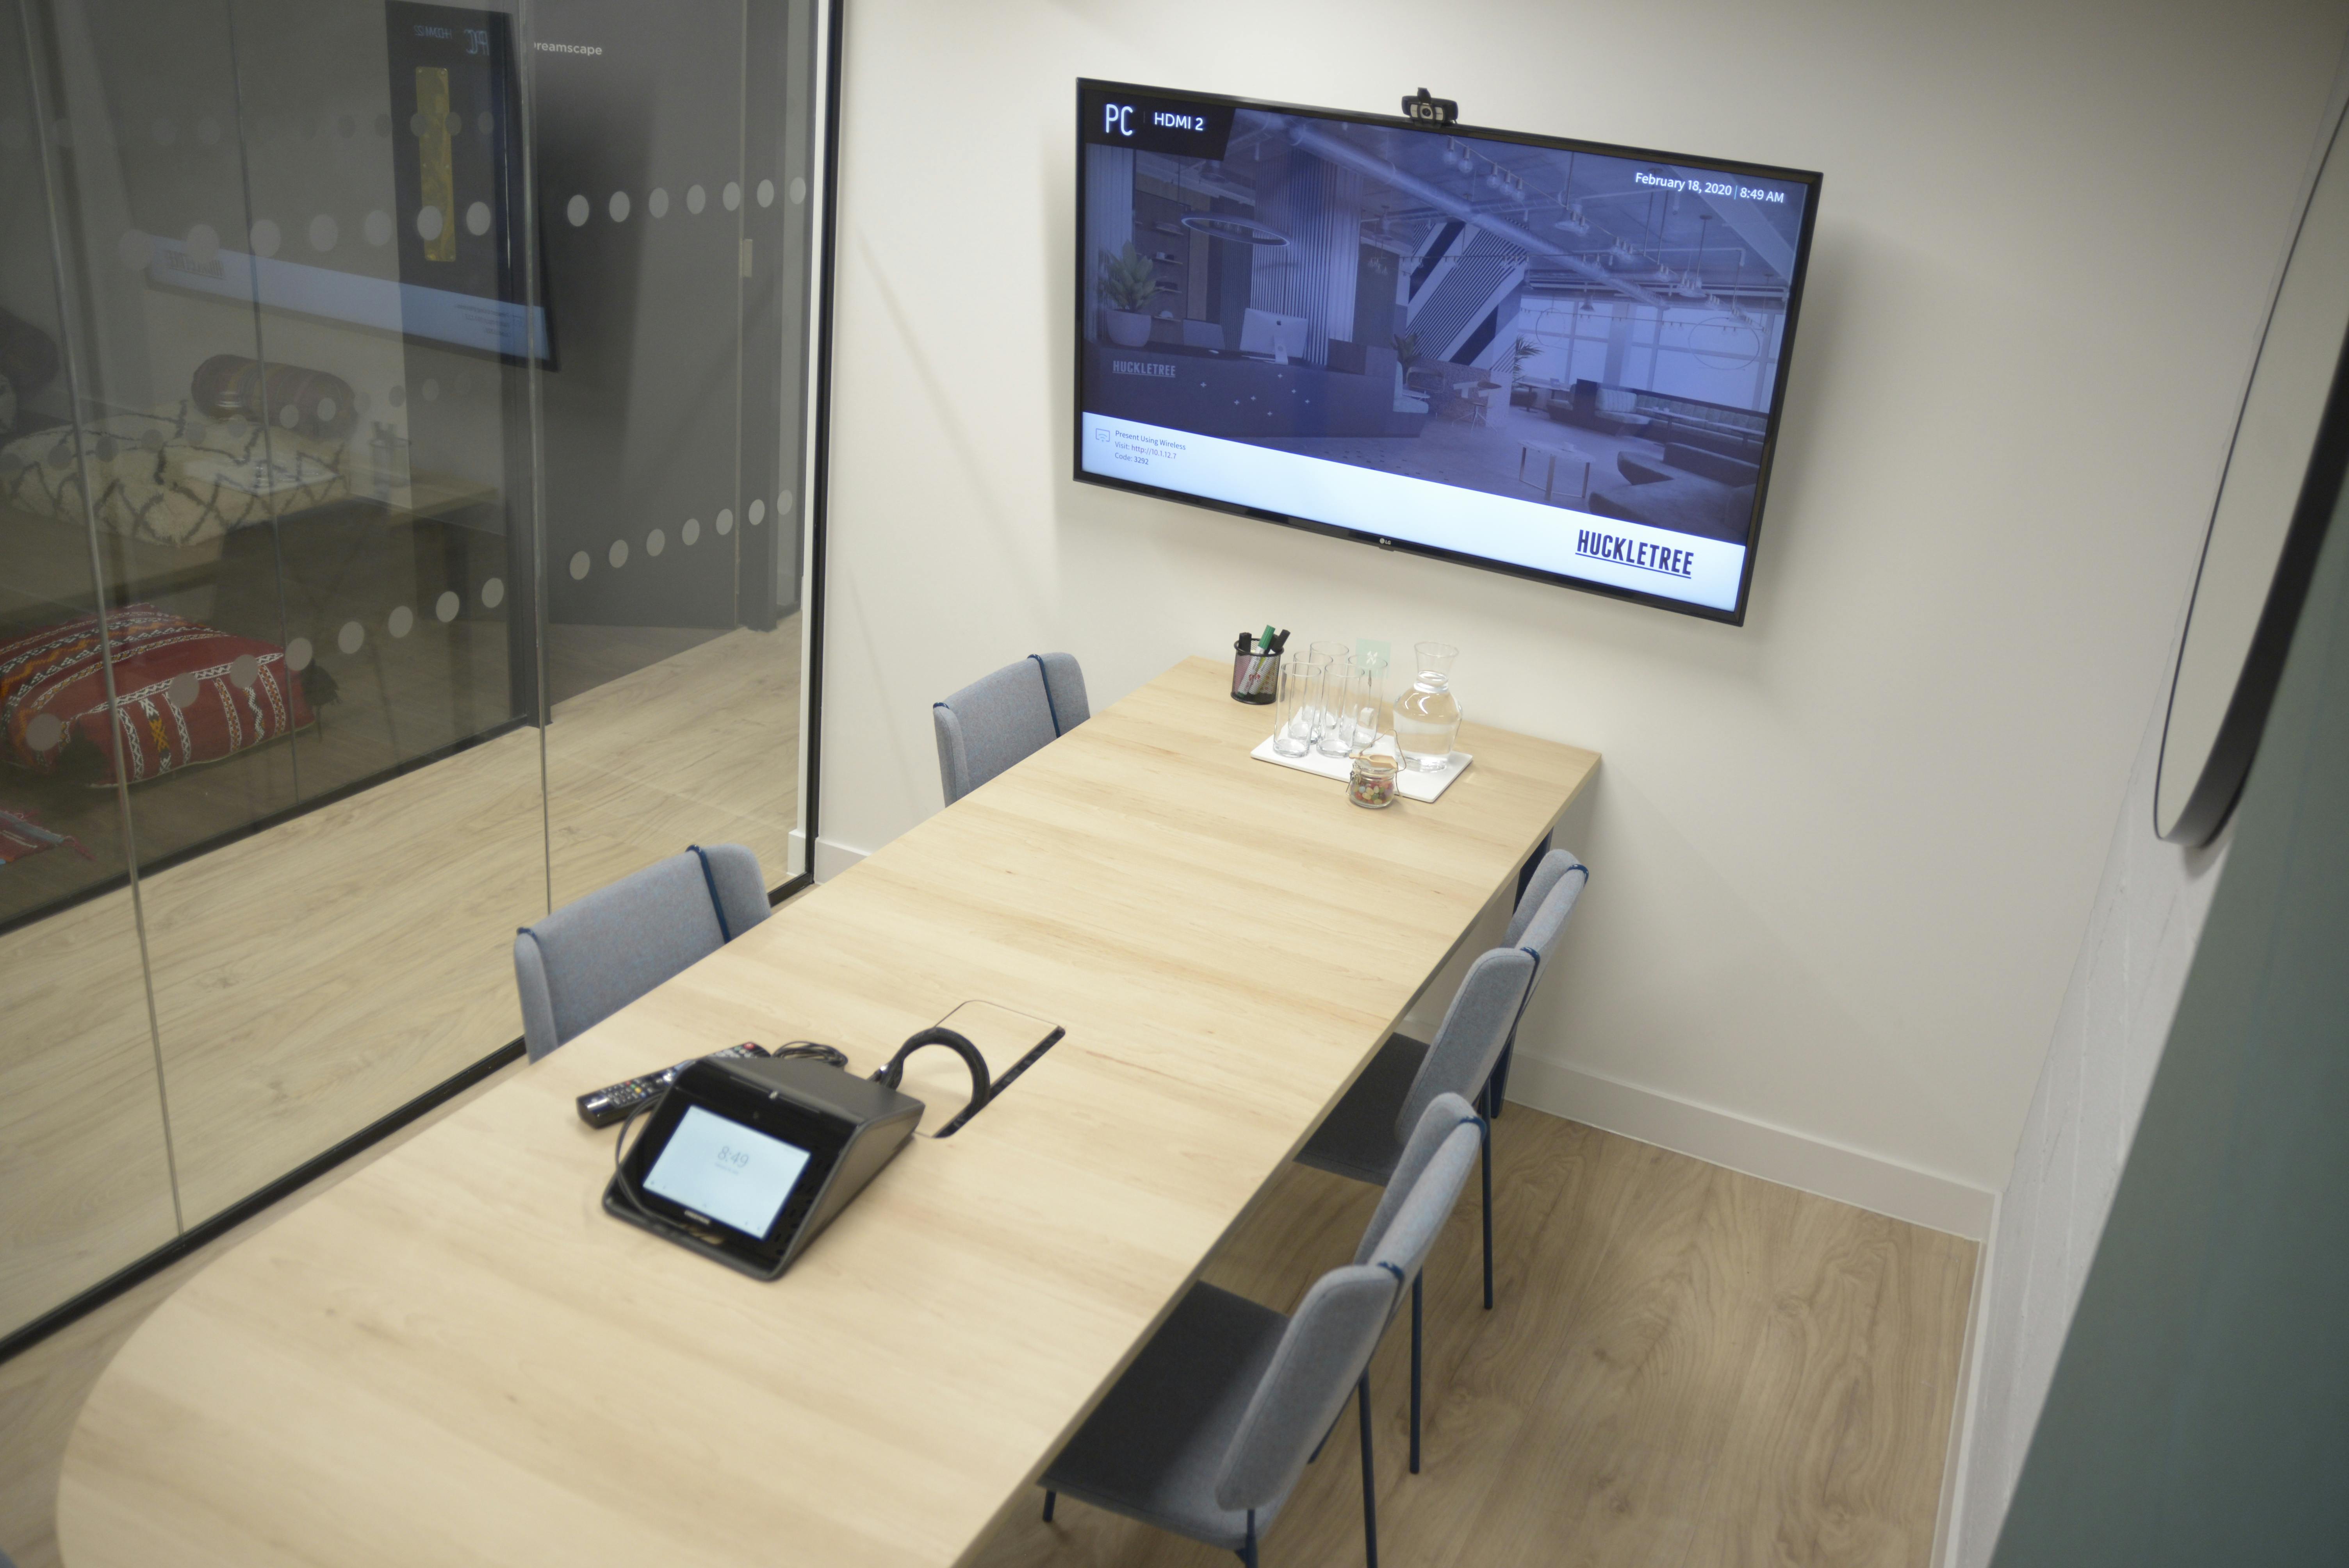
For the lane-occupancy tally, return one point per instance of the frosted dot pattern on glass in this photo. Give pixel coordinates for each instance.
(398, 395)
(725, 521)
(430, 221)
(323, 232)
(758, 512)
(477, 219)
(618, 555)
(655, 541)
(266, 238)
(798, 191)
(692, 531)
(181, 692)
(657, 202)
(732, 195)
(431, 389)
(376, 227)
(579, 566)
(44, 731)
(298, 653)
(289, 416)
(327, 409)
(493, 594)
(783, 504)
(445, 608)
(402, 622)
(203, 242)
(696, 199)
(576, 212)
(351, 638)
(243, 671)
(619, 207)
(766, 192)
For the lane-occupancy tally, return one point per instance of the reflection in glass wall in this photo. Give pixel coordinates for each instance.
(400, 476)
(674, 210)
(78, 1087)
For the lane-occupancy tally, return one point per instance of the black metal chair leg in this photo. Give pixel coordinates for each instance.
(1050, 1496)
(1327, 1436)
(1487, 1132)
(1370, 1481)
(1417, 1284)
(1247, 1548)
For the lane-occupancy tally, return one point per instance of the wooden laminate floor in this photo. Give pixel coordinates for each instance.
(1685, 1366)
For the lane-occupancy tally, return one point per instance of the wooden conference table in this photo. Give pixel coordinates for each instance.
(455, 1357)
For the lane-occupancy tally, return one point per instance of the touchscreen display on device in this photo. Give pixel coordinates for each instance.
(726, 1172)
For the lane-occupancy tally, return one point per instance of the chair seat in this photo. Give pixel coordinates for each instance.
(1152, 1449)
(1357, 1138)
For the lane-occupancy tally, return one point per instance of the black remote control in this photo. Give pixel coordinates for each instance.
(603, 1106)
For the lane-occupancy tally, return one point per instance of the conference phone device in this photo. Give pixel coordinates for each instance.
(746, 1156)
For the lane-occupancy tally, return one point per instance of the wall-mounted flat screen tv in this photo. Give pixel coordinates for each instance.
(1559, 359)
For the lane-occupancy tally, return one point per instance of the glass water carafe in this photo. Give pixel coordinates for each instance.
(1427, 717)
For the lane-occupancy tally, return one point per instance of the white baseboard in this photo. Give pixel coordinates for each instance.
(832, 857)
(1757, 1149)
(1956, 1463)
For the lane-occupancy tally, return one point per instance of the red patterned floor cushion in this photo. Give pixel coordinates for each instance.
(21, 836)
(188, 694)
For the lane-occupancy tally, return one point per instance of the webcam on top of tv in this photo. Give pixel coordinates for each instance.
(1430, 110)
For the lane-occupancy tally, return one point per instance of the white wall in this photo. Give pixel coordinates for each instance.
(1844, 855)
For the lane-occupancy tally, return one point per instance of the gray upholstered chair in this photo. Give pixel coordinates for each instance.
(1362, 1136)
(596, 954)
(999, 719)
(1418, 1198)
(1207, 1433)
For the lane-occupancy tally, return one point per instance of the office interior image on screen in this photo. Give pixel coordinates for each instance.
(1550, 360)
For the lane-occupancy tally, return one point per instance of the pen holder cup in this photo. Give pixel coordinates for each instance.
(1256, 678)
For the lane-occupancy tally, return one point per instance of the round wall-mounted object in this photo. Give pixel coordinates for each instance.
(2281, 482)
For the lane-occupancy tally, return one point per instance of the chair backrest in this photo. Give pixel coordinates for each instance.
(999, 719)
(1425, 1184)
(596, 954)
(1476, 1026)
(1549, 898)
(1320, 1358)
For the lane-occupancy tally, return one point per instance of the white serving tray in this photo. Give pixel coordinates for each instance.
(1409, 782)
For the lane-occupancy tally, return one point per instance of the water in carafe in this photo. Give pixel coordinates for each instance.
(1427, 717)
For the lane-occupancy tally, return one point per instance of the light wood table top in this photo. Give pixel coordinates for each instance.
(455, 1357)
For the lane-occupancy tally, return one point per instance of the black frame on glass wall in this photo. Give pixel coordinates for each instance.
(196, 1237)
(1812, 181)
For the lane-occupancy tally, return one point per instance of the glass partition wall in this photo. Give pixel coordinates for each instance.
(402, 478)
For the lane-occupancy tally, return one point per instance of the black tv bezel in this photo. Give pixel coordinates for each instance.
(1735, 617)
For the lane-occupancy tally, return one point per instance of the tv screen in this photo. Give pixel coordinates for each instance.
(1553, 358)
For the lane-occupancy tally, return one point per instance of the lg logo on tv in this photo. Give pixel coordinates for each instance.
(1117, 119)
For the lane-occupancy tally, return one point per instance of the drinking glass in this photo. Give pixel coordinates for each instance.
(1334, 655)
(1359, 699)
(1427, 717)
(1300, 708)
